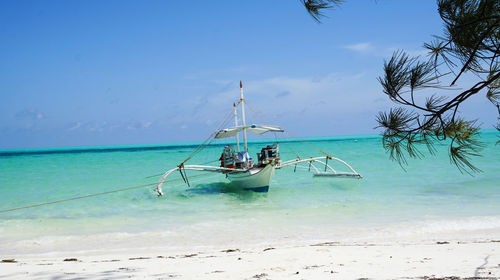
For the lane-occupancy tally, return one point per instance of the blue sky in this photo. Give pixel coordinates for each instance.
(76, 73)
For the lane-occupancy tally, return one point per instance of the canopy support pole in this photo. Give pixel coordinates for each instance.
(242, 100)
(236, 125)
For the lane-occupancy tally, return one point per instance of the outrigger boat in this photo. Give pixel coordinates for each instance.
(241, 169)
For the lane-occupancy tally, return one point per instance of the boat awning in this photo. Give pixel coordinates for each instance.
(259, 129)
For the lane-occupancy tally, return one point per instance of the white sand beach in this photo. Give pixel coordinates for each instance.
(432, 259)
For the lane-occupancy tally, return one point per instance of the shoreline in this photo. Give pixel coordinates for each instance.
(435, 258)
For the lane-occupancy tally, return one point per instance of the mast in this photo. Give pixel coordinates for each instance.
(235, 125)
(242, 100)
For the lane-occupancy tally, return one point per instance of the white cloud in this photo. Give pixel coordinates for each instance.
(282, 94)
(146, 124)
(286, 99)
(381, 51)
(30, 114)
(209, 122)
(74, 126)
(139, 125)
(96, 126)
(361, 47)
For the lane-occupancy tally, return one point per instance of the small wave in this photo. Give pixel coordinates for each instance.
(439, 226)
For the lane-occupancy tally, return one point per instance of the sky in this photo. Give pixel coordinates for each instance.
(84, 73)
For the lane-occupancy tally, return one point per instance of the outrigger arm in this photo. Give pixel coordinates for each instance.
(204, 168)
(332, 172)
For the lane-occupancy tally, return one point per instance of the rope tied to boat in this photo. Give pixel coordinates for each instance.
(77, 197)
(89, 195)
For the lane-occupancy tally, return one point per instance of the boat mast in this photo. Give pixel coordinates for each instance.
(242, 100)
(235, 125)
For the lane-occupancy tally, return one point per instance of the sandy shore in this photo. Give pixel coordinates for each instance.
(472, 259)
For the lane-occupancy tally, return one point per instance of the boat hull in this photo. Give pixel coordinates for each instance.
(256, 180)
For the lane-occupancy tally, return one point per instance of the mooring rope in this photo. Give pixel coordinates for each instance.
(90, 195)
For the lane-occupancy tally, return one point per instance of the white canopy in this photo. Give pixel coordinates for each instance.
(259, 129)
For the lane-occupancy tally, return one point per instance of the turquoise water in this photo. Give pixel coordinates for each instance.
(430, 197)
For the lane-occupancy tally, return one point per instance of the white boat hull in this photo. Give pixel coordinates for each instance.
(254, 179)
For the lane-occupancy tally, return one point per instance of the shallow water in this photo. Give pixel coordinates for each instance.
(430, 197)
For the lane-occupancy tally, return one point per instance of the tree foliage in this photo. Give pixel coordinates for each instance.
(315, 7)
(470, 45)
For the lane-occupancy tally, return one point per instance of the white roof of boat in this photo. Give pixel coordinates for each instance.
(259, 129)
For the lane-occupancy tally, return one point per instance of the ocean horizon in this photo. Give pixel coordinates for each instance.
(220, 142)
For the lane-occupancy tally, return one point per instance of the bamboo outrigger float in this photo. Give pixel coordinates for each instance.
(241, 169)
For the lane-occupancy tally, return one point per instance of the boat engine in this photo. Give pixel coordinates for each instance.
(268, 154)
(228, 157)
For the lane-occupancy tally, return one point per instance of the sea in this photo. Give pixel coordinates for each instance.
(105, 197)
